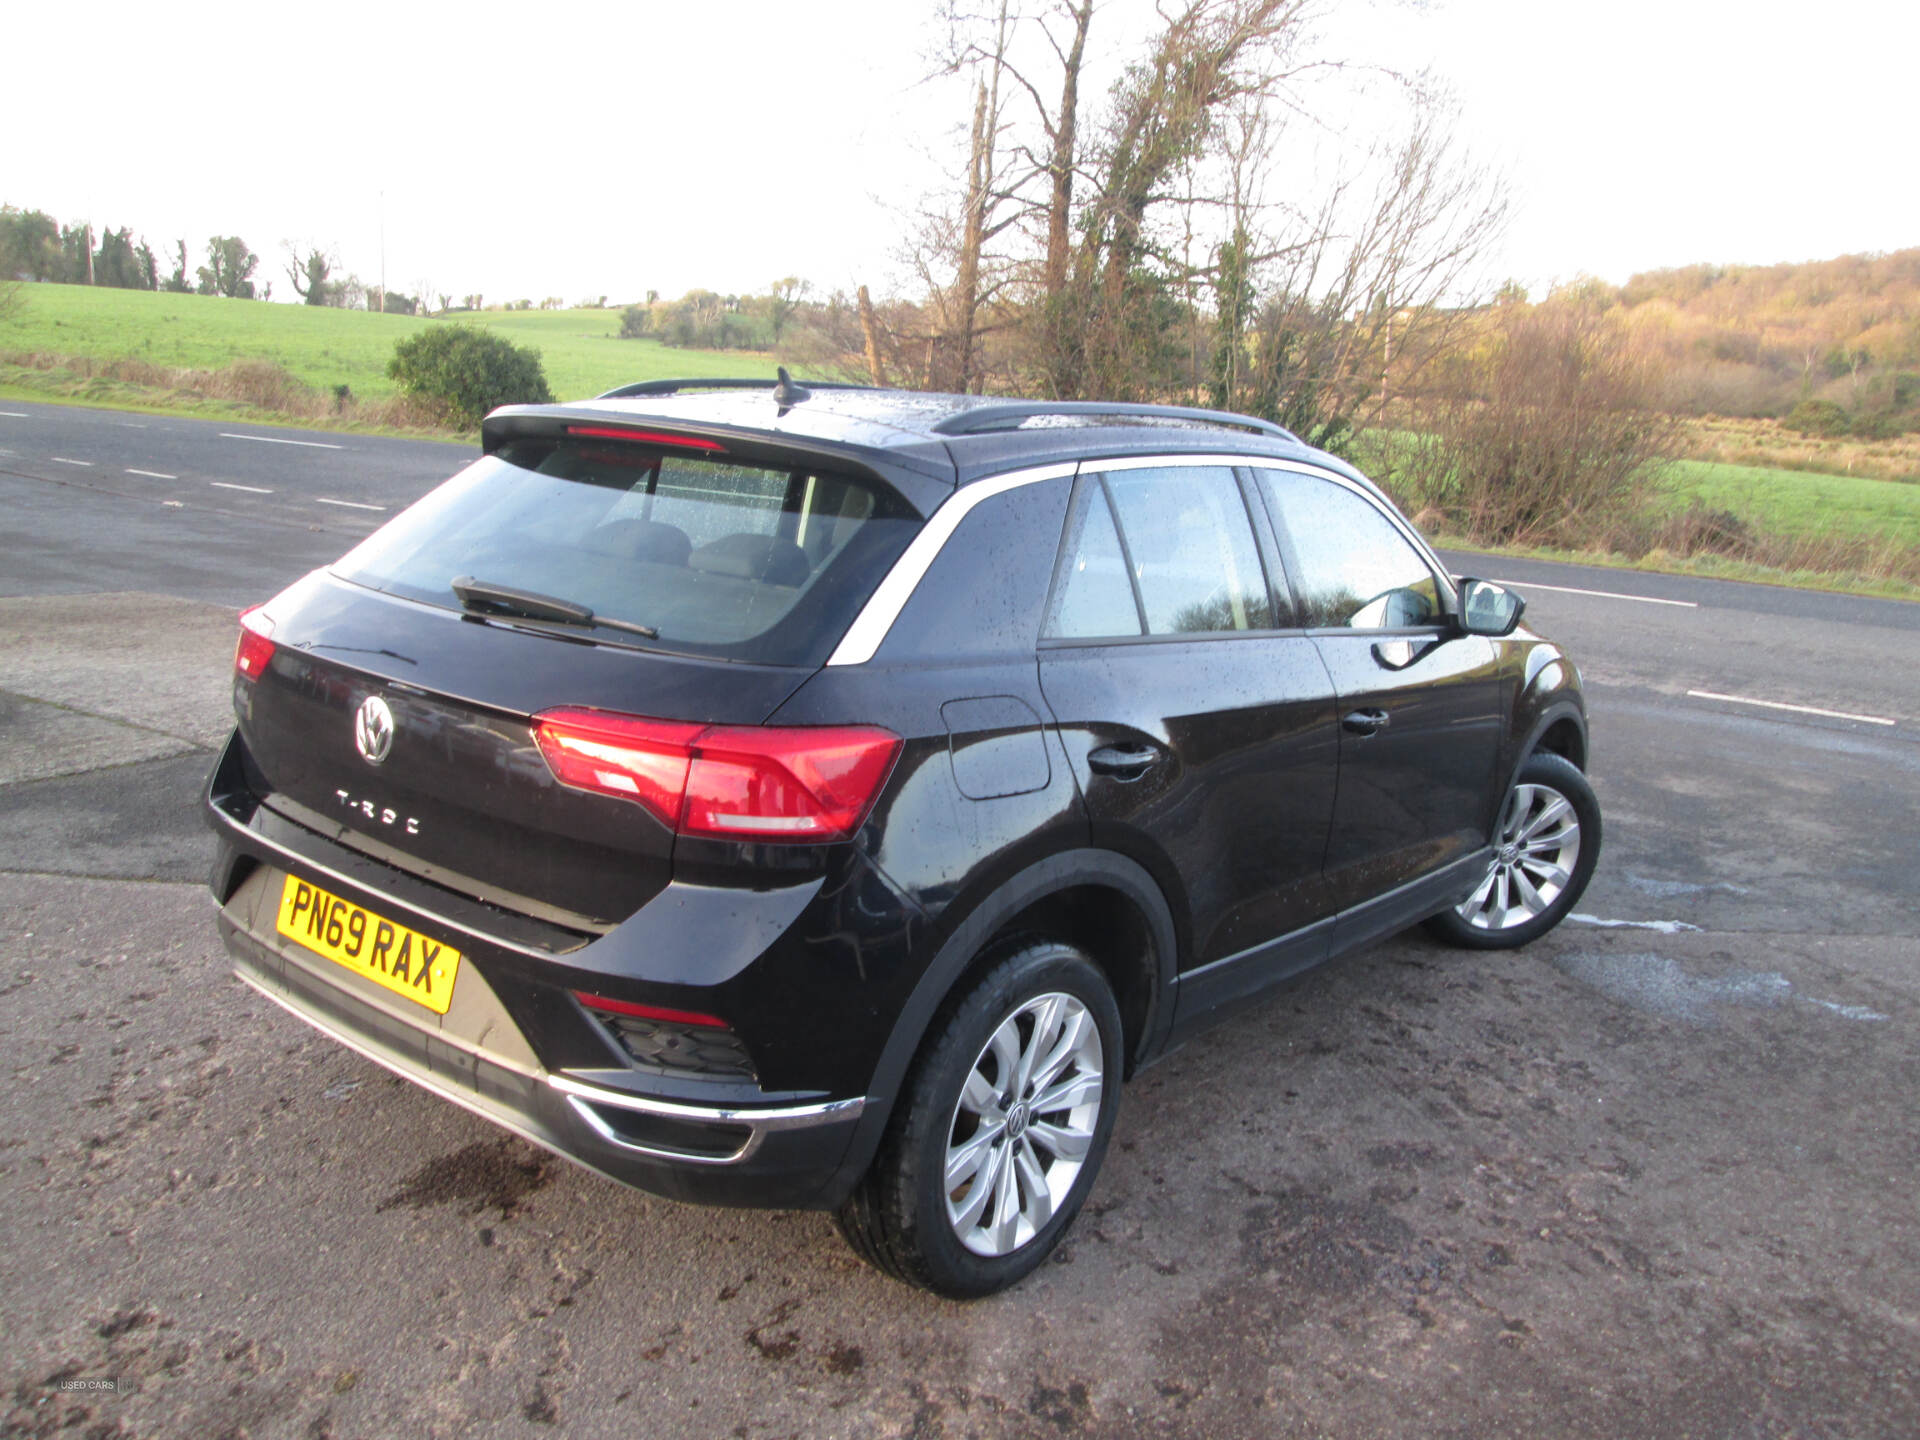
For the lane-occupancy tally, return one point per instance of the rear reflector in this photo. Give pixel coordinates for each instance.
(647, 1012)
(255, 649)
(726, 782)
(647, 437)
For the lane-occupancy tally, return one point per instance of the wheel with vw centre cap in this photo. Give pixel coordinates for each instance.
(1545, 845)
(1005, 1119)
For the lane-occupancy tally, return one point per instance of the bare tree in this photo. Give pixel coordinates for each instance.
(870, 335)
(1101, 278)
(1366, 286)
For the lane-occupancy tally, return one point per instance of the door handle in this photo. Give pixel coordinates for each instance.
(1123, 762)
(1365, 722)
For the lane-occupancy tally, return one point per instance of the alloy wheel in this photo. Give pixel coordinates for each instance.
(1023, 1124)
(1535, 852)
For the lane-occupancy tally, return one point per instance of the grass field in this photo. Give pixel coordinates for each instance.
(324, 347)
(1799, 504)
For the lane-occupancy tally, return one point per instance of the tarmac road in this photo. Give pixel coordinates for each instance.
(1651, 1177)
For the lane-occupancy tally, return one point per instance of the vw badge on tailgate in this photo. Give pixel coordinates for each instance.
(373, 730)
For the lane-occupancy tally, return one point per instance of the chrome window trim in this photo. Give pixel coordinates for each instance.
(883, 607)
(869, 629)
(1170, 462)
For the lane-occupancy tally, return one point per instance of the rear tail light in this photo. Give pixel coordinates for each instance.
(646, 1012)
(684, 1041)
(727, 782)
(648, 437)
(255, 649)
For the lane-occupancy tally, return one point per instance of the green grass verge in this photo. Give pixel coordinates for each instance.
(324, 347)
(1798, 504)
(1707, 567)
(60, 387)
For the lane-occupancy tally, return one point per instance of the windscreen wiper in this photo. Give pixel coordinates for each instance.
(486, 598)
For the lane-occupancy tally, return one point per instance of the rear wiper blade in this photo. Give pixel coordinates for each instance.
(488, 598)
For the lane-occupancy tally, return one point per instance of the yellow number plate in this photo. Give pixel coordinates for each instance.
(403, 960)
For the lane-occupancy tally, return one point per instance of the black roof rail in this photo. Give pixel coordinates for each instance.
(674, 387)
(1006, 414)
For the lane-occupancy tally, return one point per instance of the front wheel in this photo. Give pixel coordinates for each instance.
(1545, 847)
(1003, 1124)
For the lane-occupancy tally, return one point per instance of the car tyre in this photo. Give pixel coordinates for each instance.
(974, 1183)
(1546, 842)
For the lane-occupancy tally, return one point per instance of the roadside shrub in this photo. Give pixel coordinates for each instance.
(467, 371)
(1547, 432)
(1817, 417)
(635, 321)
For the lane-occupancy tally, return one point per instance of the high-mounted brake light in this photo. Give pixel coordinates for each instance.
(742, 782)
(255, 649)
(648, 1012)
(647, 437)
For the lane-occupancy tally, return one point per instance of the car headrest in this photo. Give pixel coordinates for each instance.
(638, 539)
(767, 558)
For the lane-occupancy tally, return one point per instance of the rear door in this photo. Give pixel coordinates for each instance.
(1418, 702)
(1200, 732)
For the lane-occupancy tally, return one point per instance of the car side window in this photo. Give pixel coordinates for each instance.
(1350, 567)
(1092, 596)
(1192, 550)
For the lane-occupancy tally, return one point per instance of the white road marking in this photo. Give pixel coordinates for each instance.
(62, 460)
(1601, 594)
(1665, 927)
(229, 485)
(16, 414)
(151, 474)
(1795, 709)
(350, 504)
(1851, 1012)
(174, 504)
(276, 440)
(129, 425)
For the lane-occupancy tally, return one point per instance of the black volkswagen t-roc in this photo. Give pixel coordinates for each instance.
(825, 797)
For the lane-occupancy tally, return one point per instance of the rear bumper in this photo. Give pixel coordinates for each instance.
(784, 1157)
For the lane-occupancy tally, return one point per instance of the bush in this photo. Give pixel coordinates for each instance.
(1547, 432)
(635, 321)
(1817, 417)
(467, 371)
(1881, 426)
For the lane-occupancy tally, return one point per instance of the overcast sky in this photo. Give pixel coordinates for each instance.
(576, 150)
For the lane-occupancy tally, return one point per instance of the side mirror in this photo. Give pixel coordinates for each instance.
(1489, 609)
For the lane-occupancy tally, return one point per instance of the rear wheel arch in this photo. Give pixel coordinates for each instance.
(1095, 900)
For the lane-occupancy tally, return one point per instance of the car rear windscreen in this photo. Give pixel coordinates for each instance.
(740, 562)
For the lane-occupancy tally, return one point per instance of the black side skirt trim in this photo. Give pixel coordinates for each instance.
(1213, 991)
